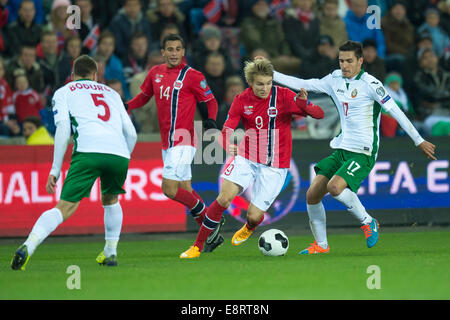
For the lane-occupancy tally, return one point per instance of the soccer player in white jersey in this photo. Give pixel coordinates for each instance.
(358, 97)
(103, 141)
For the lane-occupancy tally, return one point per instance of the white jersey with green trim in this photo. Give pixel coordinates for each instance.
(358, 101)
(98, 117)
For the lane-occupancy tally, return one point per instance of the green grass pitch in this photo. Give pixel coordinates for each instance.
(412, 265)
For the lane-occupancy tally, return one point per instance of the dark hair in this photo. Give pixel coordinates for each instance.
(369, 43)
(106, 34)
(137, 35)
(34, 120)
(84, 66)
(172, 37)
(354, 46)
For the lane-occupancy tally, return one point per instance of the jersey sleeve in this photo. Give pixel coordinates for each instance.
(379, 93)
(290, 103)
(234, 114)
(200, 88)
(147, 85)
(59, 106)
(315, 85)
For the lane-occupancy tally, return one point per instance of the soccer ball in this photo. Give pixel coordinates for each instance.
(273, 242)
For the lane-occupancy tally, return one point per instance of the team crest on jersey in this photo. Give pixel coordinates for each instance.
(158, 78)
(272, 112)
(178, 84)
(354, 93)
(248, 110)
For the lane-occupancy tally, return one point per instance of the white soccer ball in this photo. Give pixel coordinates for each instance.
(273, 242)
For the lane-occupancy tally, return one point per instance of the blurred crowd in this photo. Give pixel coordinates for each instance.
(406, 45)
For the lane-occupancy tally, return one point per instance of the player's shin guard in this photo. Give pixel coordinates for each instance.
(45, 225)
(354, 206)
(318, 223)
(212, 219)
(113, 218)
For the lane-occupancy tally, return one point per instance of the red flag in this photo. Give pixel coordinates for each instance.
(90, 42)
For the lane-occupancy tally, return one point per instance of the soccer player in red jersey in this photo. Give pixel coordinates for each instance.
(263, 156)
(177, 88)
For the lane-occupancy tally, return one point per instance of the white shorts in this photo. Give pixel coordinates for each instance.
(266, 182)
(177, 163)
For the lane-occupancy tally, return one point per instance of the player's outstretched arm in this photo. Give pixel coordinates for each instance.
(427, 147)
(137, 102)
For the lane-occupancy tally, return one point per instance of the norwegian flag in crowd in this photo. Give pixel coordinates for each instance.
(277, 7)
(213, 10)
(90, 42)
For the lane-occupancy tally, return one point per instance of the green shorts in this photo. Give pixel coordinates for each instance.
(86, 167)
(352, 167)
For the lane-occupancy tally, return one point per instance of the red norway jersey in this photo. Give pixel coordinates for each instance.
(177, 91)
(267, 122)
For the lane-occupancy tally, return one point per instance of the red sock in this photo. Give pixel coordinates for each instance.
(185, 197)
(199, 218)
(212, 218)
(252, 226)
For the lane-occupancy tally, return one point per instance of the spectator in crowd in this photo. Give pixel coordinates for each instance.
(215, 75)
(411, 65)
(104, 11)
(26, 101)
(373, 64)
(261, 31)
(323, 62)
(35, 132)
(87, 19)
(13, 7)
(357, 21)
(147, 116)
(127, 22)
(433, 87)
(394, 85)
(440, 39)
(3, 24)
(71, 51)
(58, 20)
(444, 8)
(8, 124)
(233, 86)
(331, 23)
(302, 28)
(101, 67)
(209, 41)
(49, 62)
(136, 60)
(113, 65)
(23, 31)
(27, 61)
(399, 35)
(165, 13)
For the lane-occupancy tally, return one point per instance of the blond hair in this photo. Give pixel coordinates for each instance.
(256, 67)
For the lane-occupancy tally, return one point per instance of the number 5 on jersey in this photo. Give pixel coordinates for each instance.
(97, 97)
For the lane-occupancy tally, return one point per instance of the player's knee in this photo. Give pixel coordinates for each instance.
(312, 197)
(224, 200)
(334, 189)
(169, 192)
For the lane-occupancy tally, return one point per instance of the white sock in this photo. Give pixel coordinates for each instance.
(46, 224)
(354, 206)
(113, 225)
(318, 223)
